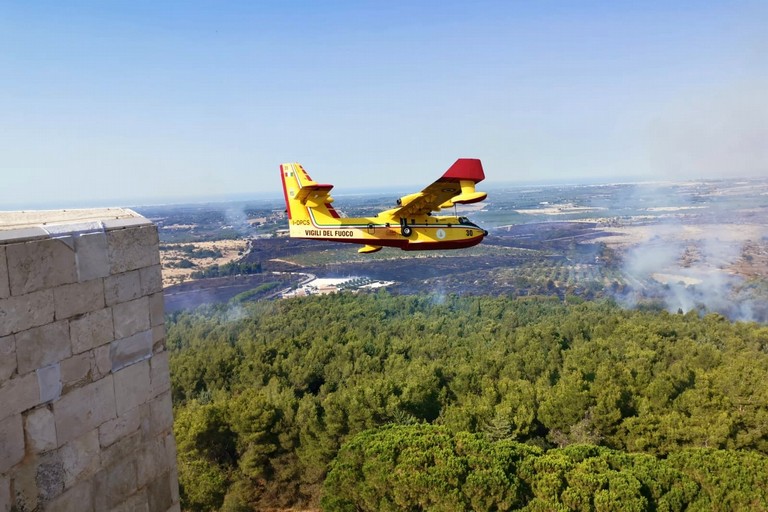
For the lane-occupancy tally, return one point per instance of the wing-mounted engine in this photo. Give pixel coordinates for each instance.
(406, 200)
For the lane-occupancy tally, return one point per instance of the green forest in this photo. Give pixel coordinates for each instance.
(367, 402)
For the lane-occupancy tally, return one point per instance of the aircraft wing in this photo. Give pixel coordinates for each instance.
(457, 185)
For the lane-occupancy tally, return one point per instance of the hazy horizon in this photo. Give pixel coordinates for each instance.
(138, 101)
(338, 192)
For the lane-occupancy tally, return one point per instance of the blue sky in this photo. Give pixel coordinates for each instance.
(137, 102)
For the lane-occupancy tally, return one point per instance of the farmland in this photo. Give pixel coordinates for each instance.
(675, 246)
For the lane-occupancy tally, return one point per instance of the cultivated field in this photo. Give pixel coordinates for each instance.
(180, 260)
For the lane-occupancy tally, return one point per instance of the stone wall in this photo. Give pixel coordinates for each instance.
(85, 403)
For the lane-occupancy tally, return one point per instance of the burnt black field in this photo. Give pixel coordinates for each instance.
(676, 246)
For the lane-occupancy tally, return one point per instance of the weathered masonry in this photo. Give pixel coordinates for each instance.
(85, 404)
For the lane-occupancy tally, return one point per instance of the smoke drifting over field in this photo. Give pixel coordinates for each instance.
(692, 273)
(690, 246)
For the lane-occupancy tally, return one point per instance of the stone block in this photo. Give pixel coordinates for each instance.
(22, 234)
(49, 477)
(120, 427)
(128, 447)
(92, 259)
(91, 330)
(158, 338)
(113, 485)
(156, 309)
(7, 357)
(77, 370)
(84, 409)
(103, 360)
(151, 280)
(41, 430)
(152, 463)
(71, 227)
(12, 447)
(5, 494)
(78, 298)
(40, 264)
(130, 350)
(26, 311)
(122, 287)
(19, 394)
(69, 220)
(132, 221)
(132, 248)
(159, 492)
(25, 493)
(49, 382)
(174, 483)
(41, 346)
(5, 289)
(170, 447)
(79, 498)
(137, 502)
(132, 386)
(131, 317)
(144, 411)
(38, 480)
(160, 374)
(81, 458)
(161, 414)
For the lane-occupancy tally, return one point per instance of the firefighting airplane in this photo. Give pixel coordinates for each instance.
(410, 226)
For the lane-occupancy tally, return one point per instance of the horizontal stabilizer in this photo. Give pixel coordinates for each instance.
(307, 189)
(314, 194)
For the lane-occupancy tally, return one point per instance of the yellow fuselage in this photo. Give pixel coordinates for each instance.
(311, 216)
(432, 232)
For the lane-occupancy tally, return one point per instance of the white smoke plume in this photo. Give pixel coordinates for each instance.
(690, 268)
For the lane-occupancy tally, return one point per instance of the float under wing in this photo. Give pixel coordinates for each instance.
(455, 186)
